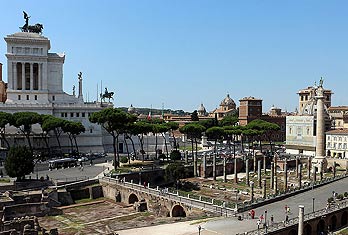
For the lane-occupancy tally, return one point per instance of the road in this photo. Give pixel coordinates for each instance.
(73, 173)
(230, 225)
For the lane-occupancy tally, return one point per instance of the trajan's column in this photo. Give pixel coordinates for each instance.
(319, 161)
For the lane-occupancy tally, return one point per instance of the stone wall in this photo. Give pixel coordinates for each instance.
(28, 209)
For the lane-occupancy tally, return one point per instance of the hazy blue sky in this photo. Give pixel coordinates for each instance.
(184, 52)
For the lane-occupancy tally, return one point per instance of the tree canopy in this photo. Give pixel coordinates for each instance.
(19, 162)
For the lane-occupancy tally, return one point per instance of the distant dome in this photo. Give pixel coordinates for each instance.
(131, 109)
(201, 108)
(228, 101)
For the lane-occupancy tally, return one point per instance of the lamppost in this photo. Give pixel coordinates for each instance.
(313, 203)
(199, 229)
(266, 222)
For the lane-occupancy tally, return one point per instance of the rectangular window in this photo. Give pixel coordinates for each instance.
(27, 97)
(83, 114)
(19, 97)
(53, 97)
(77, 114)
(71, 114)
(62, 114)
(90, 131)
(35, 97)
(65, 114)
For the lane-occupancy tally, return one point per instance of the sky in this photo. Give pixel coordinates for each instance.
(181, 53)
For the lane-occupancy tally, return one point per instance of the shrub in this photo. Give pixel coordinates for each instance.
(330, 200)
(175, 155)
(124, 159)
(340, 196)
(162, 156)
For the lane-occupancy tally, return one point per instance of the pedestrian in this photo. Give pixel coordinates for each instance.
(144, 184)
(272, 219)
(288, 210)
(286, 218)
(258, 224)
(252, 212)
(261, 217)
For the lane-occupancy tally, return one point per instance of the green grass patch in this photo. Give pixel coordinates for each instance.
(5, 180)
(85, 200)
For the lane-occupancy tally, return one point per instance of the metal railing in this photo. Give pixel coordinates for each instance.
(307, 217)
(192, 202)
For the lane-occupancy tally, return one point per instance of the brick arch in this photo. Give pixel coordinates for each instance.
(178, 211)
(132, 198)
(307, 230)
(321, 226)
(333, 223)
(344, 218)
(292, 232)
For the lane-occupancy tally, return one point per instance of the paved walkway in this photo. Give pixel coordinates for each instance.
(231, 225)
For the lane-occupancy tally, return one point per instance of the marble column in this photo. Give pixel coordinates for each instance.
(255, 162)
(23, 76)
(214, 167)
(297, 162)
(15, 77)
(205, 166)
(320, 160)
(247, 171)
(299, 176)
(31, 76)
(225, 170)
(321, 172)
(235, 171)
(285, 175)
(264, 188)
(272, 175)
(259, 173)
(309, 163)
(314, 173)
(275, 184)
(39, 76)
(301, 220)
(264, 164)
(252, 191)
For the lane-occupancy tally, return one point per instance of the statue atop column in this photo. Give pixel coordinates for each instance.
(73, 90)
(79, 77)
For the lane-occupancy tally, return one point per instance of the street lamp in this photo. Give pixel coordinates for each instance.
(199, 229)
(313, 203)
(266, 222)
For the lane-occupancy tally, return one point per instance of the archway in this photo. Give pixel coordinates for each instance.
(344, 218)
(321, 227)
(308, 229)
(132, 198)
(333, 223)
(292, 232)
(178, 211)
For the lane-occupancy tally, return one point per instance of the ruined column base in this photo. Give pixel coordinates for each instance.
(320, 163)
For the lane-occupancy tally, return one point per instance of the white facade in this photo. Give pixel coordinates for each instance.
(35, 84)
(300, 135)
(337, 143)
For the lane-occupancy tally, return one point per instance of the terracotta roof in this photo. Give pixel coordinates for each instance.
(338, 131)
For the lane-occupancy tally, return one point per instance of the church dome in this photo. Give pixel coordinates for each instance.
(201, 108)
(228, 101)
(131, 109)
